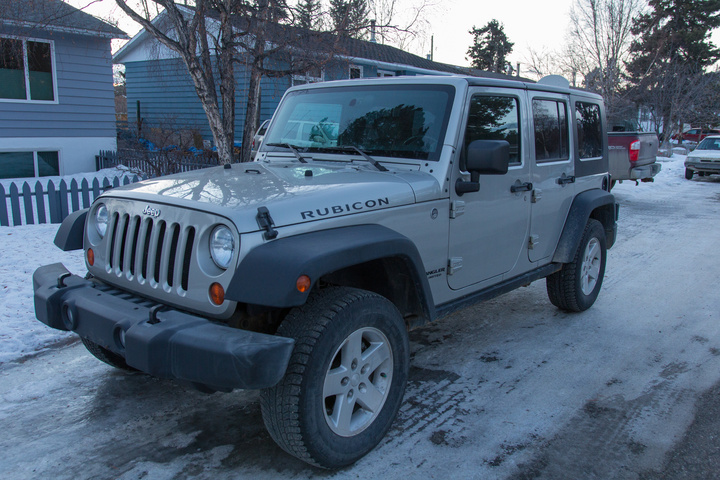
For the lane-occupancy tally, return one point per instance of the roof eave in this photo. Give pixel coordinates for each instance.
(57, 28)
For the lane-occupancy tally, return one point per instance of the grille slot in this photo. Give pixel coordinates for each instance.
(144, 250)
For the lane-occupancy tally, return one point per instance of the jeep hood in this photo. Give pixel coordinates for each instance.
(292, 192)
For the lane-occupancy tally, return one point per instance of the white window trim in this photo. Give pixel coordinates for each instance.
(359, 67)
(386, 73)
(27, 72)
(36, 165)
(307, 78)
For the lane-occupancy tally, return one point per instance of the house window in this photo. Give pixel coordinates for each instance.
(29, 164)
(313, 75)
(385, 73)
(356, 71)
(26, 70)
(551, 130)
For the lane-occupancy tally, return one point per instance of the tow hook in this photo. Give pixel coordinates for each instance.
(61, 279)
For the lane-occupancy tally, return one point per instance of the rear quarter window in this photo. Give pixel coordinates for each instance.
(589, 130)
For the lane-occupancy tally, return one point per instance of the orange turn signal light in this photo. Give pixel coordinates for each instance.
(217, 293)
(90, 257)
(303, 283)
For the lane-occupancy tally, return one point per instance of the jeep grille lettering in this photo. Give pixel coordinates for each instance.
(153, 212)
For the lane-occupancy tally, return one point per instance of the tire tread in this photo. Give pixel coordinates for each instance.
(562, 285)
(280, 404)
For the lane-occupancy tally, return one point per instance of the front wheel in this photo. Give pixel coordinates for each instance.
(345, 380)
(689, 174)
(576, 286)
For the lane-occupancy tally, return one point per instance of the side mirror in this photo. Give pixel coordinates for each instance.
(488, 157)
(484, 157)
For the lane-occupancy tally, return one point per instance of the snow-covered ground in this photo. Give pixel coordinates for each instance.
(22, 250)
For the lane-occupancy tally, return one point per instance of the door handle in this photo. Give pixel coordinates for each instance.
(521, 187)
(565, 180)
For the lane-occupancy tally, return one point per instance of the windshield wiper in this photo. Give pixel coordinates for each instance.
(293, 148)
(351, 148)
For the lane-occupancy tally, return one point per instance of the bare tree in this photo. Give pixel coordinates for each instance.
(600, 33)
(680, 92)
(401, 24)
(188, 32)
(213, 37)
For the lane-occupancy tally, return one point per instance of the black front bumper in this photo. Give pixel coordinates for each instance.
(162, 342)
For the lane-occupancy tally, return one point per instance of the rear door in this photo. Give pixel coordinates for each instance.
(553, 172)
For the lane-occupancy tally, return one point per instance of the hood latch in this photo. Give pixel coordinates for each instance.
(265, 222)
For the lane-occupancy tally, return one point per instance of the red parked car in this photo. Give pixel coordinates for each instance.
(694, 134)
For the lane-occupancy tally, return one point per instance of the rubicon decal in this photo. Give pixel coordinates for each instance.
(348, 207)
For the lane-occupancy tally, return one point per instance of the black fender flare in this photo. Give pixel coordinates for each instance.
(70, 234)
(268, 274)
(581, 210)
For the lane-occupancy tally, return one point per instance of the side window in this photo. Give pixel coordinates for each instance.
(495, 118)
(589, 130)
(551, 130)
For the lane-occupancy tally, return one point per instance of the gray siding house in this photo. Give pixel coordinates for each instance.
(160, 89)
(57, 107)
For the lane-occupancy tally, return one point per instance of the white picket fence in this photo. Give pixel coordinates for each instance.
(26, 205)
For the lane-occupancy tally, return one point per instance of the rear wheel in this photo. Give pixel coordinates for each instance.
(345, 381)
(576, 286)
(688, 174)
(105, 355)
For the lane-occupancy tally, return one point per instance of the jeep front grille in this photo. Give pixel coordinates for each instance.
(144, 249)
(160, 252)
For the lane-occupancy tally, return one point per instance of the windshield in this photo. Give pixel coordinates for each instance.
(406, 121)
(709, 144)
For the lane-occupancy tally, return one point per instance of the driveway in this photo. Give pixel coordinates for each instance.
(509, 389)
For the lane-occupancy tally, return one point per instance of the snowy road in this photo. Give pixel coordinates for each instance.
(512, 388)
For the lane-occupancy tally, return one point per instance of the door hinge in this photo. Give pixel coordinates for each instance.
(534, 241)
(536, 195)
(454, 264)
(457, 208)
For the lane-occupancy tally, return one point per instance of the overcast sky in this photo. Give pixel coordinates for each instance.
(528, 23)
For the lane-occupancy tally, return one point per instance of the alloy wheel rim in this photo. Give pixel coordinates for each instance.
(357, 381)
(590, 269)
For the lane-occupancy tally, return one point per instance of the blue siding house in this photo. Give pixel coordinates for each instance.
(160, 89)
(57, 102)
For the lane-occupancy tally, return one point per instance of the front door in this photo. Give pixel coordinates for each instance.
(489, 228)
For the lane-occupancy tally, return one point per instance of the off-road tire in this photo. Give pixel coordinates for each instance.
(565, 287)
(295, 410)
(689, 174)
(105, 355)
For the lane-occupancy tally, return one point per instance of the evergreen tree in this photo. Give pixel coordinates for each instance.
(490, 48)
(349, 17)
(670, 57)
(309, 14)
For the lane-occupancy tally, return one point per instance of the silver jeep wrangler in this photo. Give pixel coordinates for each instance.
(373, 206)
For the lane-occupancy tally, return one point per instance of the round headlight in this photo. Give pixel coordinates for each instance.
(101, 219)
(222, 246)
